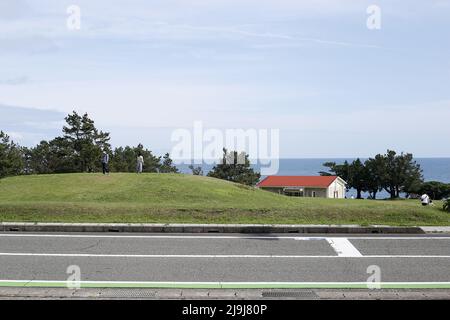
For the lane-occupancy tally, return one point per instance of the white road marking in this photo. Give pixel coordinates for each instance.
(228, 282)
(242, 256)
(403, 256)
(150, 236)
(343, 247)
(19, 235)
(217, 285)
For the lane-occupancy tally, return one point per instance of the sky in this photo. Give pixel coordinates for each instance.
(311, 69)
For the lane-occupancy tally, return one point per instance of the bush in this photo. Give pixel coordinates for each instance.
(436, 190)
(447, 205)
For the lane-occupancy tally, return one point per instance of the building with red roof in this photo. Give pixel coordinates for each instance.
(305, 186)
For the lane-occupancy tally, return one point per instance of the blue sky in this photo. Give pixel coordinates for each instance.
(312, 69)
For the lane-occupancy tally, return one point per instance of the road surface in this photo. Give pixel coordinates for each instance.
(224, 261)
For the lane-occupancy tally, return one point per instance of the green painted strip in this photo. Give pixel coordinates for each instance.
(229, 285)
(336, 286)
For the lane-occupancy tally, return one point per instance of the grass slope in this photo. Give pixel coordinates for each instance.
(177, 198)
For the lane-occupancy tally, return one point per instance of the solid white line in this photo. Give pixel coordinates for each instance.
(84, 255)
(405, 256)
(343, 247)
(212, 237)
(155, 255)
(225, 282)
(144, 236)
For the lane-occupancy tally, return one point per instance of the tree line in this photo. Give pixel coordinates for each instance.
(81, 145)
(78, 149)
(395, 173)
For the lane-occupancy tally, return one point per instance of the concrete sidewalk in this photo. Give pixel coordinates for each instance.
(218, 294)
(214, 228)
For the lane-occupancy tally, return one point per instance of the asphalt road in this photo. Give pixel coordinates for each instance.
(190, 260)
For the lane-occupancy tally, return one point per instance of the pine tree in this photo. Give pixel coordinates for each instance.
(196, 171)
(11, 157)
(86, 140)
(235, 167)
(167, 165)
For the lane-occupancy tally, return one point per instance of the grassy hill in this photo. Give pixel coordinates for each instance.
(178, 198)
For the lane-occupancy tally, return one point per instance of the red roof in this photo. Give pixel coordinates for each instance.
(297, 181)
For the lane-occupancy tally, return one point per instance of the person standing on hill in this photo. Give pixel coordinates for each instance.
(105, 161)
(140, 163)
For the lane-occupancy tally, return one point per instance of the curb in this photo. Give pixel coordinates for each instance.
(203, 228)
(436, 229)
(223, 294)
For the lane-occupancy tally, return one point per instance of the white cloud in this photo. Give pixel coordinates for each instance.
(16, 9)
(155, 103)
(209, 60)
(14, 81)
(141, 20)
(15, 135)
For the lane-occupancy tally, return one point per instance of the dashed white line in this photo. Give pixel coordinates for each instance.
(343, 247)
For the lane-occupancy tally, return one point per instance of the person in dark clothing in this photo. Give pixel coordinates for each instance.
(105, 161)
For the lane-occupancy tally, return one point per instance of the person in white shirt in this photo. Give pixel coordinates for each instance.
(425, 199)
(140, 163)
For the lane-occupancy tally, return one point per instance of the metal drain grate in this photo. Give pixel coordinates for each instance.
(305, 294)
(129, 293)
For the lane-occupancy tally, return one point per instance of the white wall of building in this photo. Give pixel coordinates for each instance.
(338, 186)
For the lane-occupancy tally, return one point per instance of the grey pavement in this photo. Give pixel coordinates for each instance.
(217, 294)
(222, 258)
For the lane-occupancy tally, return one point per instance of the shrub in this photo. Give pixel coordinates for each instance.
(447, 205)
(436, 190)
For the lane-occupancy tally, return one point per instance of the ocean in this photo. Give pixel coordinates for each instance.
(434, 169)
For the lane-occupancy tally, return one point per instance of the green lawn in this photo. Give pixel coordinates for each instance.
(177, 198)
